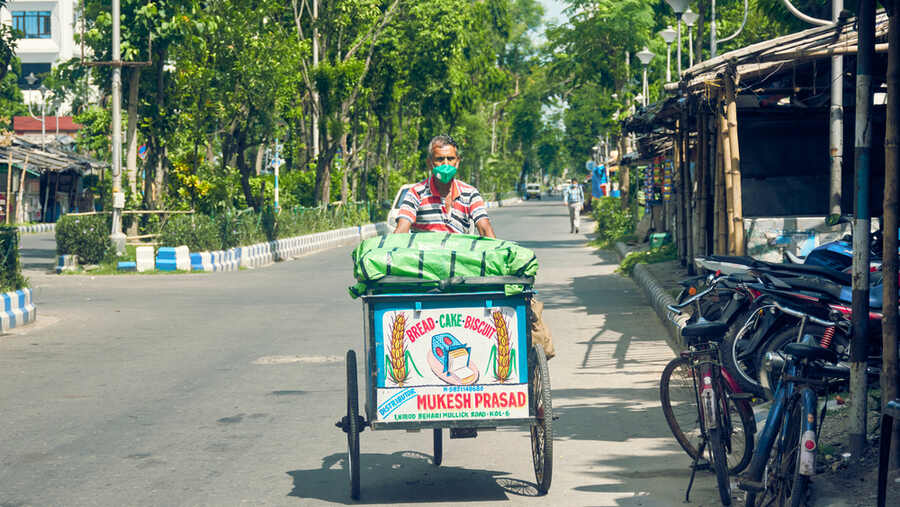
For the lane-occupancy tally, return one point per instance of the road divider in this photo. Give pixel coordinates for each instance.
(34, 228)
(18, 309)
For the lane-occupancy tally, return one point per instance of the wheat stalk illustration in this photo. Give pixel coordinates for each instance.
(398, 351)
(502, 347)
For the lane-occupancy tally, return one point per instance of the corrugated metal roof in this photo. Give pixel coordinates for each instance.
(48, 159)
(775, 55)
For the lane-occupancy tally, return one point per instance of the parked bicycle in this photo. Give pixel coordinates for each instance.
(705, 410)
(784, 460)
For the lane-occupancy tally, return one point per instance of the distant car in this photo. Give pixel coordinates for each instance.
(395, 206)
(532, 190)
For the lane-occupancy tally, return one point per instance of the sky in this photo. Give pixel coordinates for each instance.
(552, 14)
(553, 9)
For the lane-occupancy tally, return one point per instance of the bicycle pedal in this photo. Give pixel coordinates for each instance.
(463, 432)
(751, 486)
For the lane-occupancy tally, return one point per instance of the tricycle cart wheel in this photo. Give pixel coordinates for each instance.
(353, 426)
(542, 428)
(438, 447)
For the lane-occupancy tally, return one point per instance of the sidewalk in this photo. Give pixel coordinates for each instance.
(612, 446)
(840, 485)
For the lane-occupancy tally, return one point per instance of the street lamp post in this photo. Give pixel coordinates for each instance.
(645, 55)
(668, 35)
(43, 90)
(678, 6)
(690, 18)
(31, 79)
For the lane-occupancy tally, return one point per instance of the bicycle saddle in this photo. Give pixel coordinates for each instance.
(713, 330)
(811, 352)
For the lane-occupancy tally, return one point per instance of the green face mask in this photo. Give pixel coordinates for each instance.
(444, 173)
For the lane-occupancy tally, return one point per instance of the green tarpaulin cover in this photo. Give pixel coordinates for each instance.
(436, 256)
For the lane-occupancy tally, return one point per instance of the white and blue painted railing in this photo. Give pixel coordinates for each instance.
(24, 229)
(263, 254)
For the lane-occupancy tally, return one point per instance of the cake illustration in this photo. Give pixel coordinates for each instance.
(450, 360)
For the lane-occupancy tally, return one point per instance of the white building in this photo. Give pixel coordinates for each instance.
(49, 38)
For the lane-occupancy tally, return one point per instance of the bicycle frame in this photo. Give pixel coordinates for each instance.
(777, 425)
(708, 394)
(774, 426)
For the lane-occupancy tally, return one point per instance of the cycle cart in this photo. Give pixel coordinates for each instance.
(457, 356)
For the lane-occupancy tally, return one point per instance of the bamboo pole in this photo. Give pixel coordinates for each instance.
(8, 184)
(676, 199)
(686, 200)
(702, 157)
(718, 186)
(20, 212)
(890, 381)
(728, 176)
(736, 222)
(726, 212)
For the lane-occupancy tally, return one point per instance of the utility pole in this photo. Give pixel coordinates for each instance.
(861, 227)
(836, 112)
(836, 120)
(116, 235)
(889, 374)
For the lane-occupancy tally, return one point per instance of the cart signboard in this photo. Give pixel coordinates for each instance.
(457, 363)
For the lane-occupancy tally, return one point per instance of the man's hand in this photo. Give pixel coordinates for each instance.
(484, 228)
(403, 225)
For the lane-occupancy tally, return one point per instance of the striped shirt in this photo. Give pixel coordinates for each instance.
(424, 206)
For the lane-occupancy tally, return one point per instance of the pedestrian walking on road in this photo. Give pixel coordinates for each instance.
(573, 197)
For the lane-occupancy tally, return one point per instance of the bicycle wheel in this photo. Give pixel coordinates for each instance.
(739, 363)
(679, 404)
(720, 464)
(784, 485)
(678, 396)
(738, 431)
(542, 429)
(352, 425)
(794, 486)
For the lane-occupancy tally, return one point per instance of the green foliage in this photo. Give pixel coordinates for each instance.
(199, 232)
(11, 101)
(613, 222)
(240, 228)
(10, 269)
(663, 253)
(93, 137)
(86, 236)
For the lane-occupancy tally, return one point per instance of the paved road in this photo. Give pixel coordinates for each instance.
(37, 252)
(222, 389)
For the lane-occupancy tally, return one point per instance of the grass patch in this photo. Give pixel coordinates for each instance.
(661, 254)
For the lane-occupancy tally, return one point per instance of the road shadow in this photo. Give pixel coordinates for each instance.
(405, 477)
